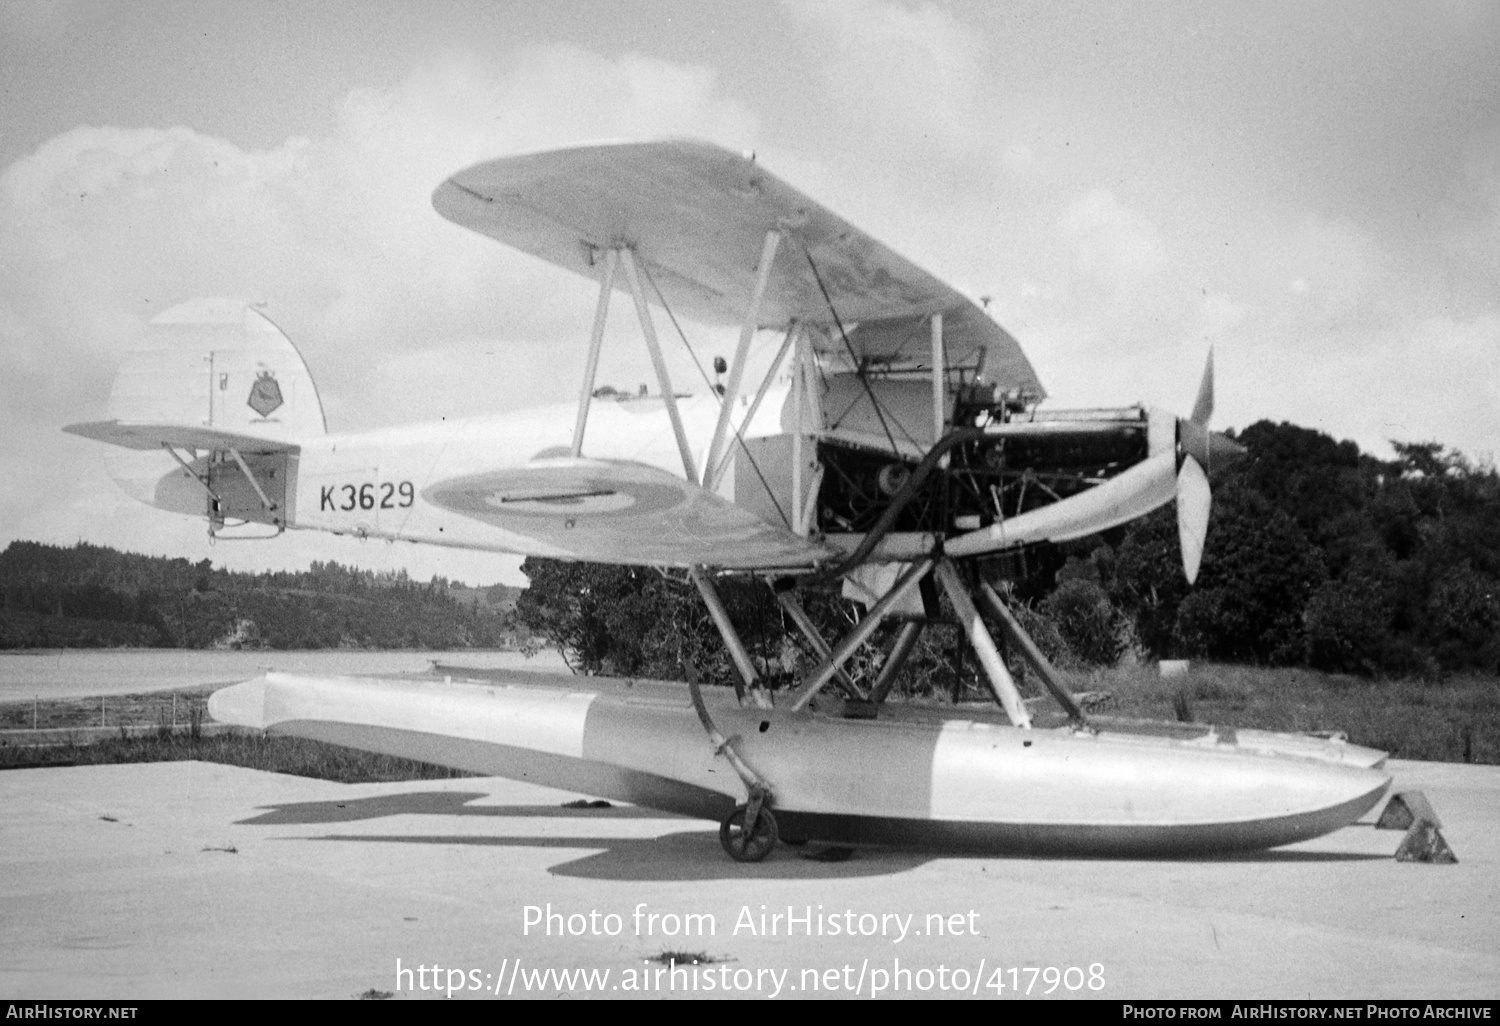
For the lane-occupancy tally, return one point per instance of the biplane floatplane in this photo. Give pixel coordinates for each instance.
(895, 439)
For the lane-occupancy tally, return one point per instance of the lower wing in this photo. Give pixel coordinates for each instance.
(612, 511)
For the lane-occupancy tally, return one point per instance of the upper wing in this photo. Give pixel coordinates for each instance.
(610, 511)
(696, 216)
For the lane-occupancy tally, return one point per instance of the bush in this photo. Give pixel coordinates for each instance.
(636, 621)
(1463, 619)
(1043, 631)
(1087, 622)
(1347, 625)
(1259, 570)
(1146, 581)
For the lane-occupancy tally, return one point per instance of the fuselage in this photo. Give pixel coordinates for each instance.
(387, 483)
(376, 483)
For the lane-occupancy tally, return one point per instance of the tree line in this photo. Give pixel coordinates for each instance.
(95, 596)
(1323, 556)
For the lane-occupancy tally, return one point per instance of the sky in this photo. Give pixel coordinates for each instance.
(1312, 190)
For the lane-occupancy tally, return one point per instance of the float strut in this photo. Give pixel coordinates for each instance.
(809, 630)
(742, 662)
(1016, 635)
(1001, 685)
(901, 651)
(860, 633)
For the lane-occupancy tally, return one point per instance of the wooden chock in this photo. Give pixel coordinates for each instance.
(1424, 842)
(1404, 809)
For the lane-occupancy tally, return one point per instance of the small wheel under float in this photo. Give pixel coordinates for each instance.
(752, 845)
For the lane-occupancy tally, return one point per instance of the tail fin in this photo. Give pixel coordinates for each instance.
(218, 380)
(218, 363)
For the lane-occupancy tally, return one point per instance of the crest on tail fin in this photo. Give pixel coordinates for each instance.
(265, 394)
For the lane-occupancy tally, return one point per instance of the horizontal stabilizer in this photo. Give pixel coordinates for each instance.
(178, 436)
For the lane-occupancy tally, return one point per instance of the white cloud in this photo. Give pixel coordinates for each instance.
(1470, 219)
(1219, 314)
(102, 227)
(1111, 241)
(1020, 159)
(1425, 377)
(26, 24)
(898, 120)
(905, 82)
(1341, 268)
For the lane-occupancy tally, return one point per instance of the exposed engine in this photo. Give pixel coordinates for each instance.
(1025, 458)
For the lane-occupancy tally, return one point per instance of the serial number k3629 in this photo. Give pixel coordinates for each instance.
(369, 495)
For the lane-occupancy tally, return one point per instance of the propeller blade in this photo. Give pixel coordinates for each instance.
(1193, 501)
(1203, 408)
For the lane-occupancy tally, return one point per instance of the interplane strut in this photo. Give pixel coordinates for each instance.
(596, 340)
(663, 379)
(712, 469)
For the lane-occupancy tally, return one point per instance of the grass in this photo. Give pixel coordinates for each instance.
(1456, 720)
(294, 755)
(152, 709)
(177, 718)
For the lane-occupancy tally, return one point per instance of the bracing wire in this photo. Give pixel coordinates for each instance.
(738, 433)
(859, 367)
(662, 299)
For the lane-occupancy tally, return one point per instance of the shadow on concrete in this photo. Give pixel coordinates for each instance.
(1279, 855)
(693, 855)
(430, 803)
(696, 855)
(1268, 855)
